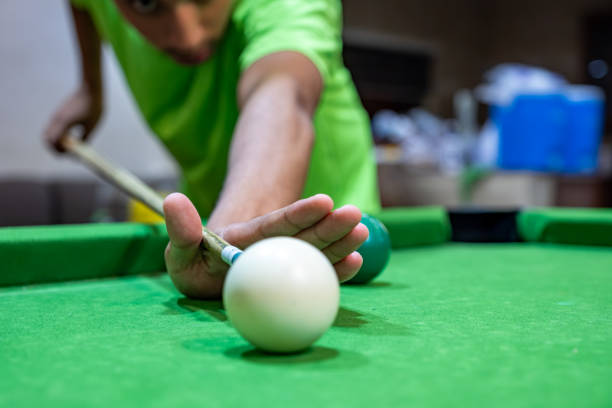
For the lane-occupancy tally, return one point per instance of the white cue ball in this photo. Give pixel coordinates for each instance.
(281, 294)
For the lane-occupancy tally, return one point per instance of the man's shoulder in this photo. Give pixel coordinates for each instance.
(281, 11)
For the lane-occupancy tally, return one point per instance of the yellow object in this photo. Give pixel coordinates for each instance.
(138, 212)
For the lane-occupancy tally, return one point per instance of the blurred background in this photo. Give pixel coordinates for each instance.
(483, 103)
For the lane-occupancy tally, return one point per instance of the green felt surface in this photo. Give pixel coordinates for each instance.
(567, 225)
(505, 325)
(416, 226)
(64, 252)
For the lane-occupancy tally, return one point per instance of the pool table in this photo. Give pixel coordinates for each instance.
(475, 308)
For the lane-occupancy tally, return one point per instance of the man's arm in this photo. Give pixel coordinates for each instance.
(84, 106)
(90, 47)
(273, 139)
(268, 164)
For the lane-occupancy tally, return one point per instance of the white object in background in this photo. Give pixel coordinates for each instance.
(487, 146)
(392, 127)
(281, 294)
(584, 93)
(505, 81)
(451, 153)
(466, 113)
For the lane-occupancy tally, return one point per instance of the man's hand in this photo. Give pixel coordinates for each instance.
(83, 108)
(337, 233)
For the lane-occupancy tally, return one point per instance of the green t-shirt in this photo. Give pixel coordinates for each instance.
(193, 110)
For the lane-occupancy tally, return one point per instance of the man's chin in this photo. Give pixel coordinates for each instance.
(191, 59)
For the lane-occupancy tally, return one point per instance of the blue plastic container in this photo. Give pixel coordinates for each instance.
(551, 132)
(586, 121)
(531, 132)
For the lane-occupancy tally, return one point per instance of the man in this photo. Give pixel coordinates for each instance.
(252, 99)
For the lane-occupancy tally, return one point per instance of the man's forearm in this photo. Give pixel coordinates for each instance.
(269, 156)
(90, 50)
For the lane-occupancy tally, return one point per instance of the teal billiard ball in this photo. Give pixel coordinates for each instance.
(376, 250)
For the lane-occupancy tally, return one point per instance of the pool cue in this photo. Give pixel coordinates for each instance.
(137, 189)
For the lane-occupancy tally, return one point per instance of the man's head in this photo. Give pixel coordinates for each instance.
(187, 30)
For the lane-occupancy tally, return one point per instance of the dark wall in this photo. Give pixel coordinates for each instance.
(465, 37)
(445, 29)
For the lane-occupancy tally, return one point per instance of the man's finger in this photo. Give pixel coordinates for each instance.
(295, 217)
(55, 132)
(349, 243)
(59, 129)
(349, 266)
(332, 228)
(286, 221)
(191, 273)
(183, 222)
